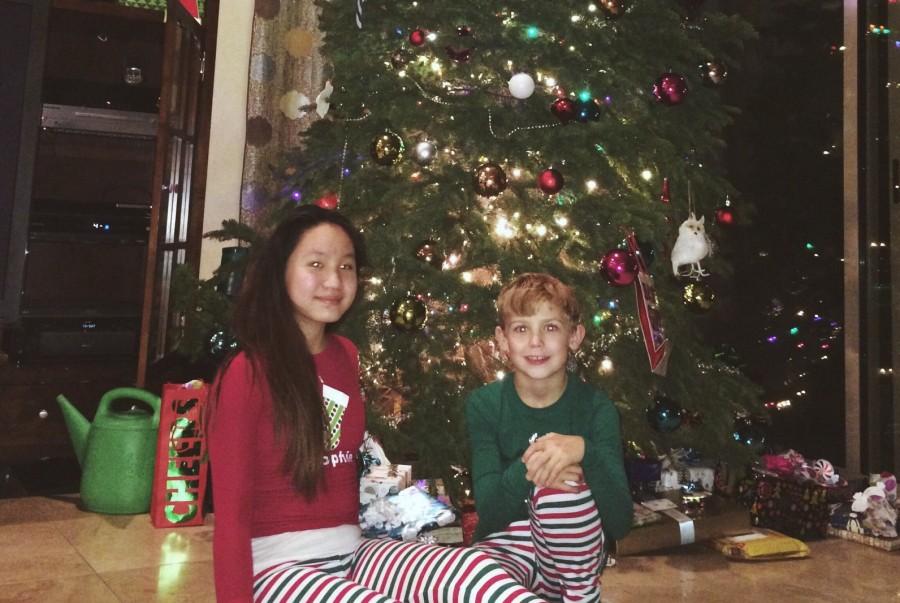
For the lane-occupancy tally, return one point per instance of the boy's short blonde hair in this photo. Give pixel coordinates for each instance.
(521, 296)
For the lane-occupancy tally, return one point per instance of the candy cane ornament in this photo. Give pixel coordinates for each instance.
(359, 11)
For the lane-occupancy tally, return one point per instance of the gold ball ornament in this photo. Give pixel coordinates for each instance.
(429, 253)
(408, 314)
(490, 180)
(387, 148)
(698, 297)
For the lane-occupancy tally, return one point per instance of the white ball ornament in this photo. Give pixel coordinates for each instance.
(521, 85)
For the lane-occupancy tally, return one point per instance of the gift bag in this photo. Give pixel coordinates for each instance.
(180, 472)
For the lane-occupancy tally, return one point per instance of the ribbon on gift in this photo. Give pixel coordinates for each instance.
(685, 525)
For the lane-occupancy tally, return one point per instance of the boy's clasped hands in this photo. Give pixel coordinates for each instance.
(554, 461)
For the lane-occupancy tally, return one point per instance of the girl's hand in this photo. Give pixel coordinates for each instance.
(569, 479)
(549, 455)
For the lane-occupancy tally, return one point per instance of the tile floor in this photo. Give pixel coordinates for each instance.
(51, 551)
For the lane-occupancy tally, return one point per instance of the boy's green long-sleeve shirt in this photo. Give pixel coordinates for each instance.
(500, 426)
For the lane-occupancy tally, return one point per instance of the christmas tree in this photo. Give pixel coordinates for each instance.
(472, 142)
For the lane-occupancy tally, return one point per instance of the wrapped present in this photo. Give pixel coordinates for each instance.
(700, 475)
(642, 470)
(874, 509)
(885, 544)
(683, 469)
(643, 477)
(384, 480)
(179, 475)
(796, 508)
(716, 517)
(643, 516)
(404, 516)
(380, 477)
(760, 545)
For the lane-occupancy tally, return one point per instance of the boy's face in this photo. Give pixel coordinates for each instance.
(538, 345)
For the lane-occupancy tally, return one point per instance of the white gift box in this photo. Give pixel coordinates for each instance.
(384, 480)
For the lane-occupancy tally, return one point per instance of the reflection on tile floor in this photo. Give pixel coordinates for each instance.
(52, 551)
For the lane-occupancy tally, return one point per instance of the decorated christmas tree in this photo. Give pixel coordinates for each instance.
(472, 142)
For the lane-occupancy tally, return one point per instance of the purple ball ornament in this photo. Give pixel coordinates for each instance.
(670, 89)
(618, 267)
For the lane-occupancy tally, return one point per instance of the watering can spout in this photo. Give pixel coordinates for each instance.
(78, 426)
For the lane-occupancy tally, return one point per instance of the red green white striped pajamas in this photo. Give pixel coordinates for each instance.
(382, 570)
(558, 552)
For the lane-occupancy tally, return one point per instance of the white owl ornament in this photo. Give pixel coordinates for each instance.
(691, 246)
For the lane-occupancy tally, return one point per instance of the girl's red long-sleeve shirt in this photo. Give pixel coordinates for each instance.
(253, 495)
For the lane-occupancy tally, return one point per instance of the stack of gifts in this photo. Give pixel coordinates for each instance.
(871, 517)
(791, 495)
(681, 469)
(680, 519)
(390, 506)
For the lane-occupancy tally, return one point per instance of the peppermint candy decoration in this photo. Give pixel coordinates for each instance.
(824, 470)
(359, 12)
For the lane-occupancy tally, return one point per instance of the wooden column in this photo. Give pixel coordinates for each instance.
(852, 340)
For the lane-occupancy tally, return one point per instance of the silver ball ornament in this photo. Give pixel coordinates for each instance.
(424, 152)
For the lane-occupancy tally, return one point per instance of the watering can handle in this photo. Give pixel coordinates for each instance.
(128, 392)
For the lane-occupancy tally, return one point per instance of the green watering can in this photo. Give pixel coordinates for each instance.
(116, 452)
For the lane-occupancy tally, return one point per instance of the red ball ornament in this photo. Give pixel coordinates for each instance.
(618, 267)
(550, 181)
(612, 9)
(670, 89)
(563, 109)
(417, 37)
(328, 201)
(725, 216)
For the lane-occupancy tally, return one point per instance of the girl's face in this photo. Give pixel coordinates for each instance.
(320, 277)
(538, 345)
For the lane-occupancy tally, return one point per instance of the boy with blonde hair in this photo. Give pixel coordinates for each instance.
(547, 468)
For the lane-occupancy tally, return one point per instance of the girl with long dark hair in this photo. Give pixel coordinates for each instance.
(286, 423)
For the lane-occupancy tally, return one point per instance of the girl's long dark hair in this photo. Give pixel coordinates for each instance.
(267, 331)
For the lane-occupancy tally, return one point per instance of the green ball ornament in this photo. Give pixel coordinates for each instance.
(665, 415)
(220, 343)
(408, 314)
(387, 148)
(749, 431)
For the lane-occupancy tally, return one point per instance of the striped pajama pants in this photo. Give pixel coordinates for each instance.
(382, 571)
(558, 552)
